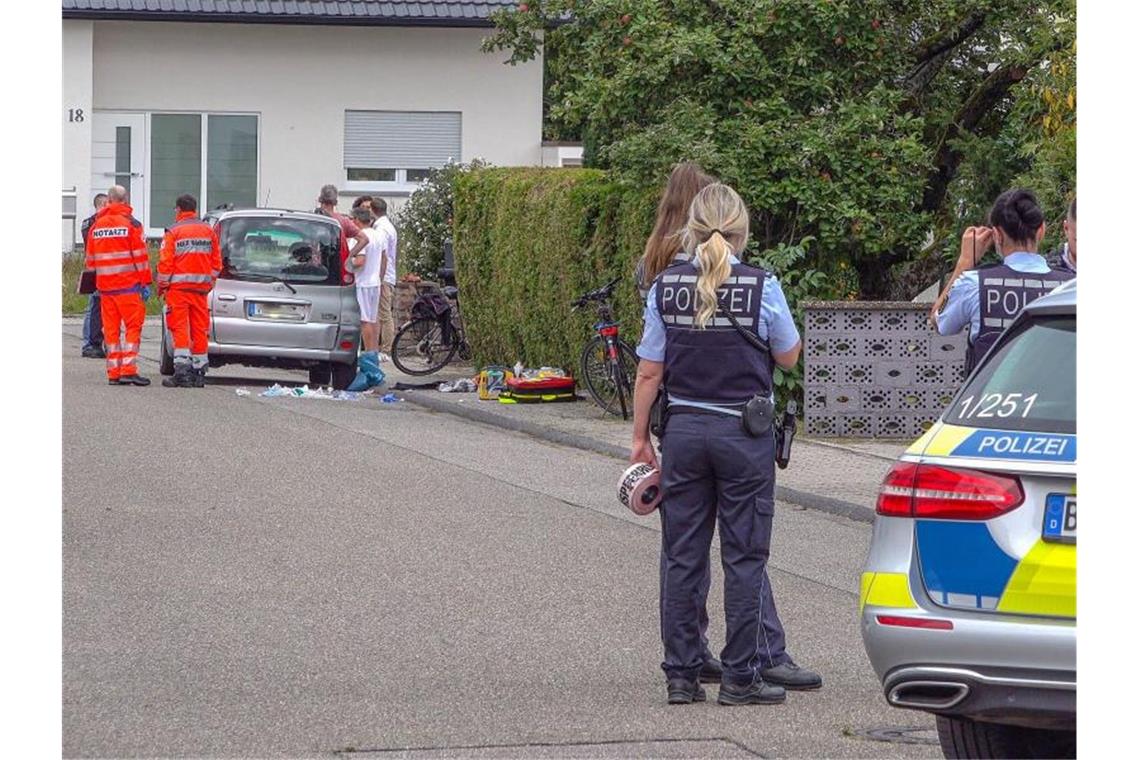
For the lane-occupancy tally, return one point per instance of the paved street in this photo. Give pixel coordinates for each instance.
(295, 578)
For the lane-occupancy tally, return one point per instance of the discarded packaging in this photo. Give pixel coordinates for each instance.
(463, 385)
(389, 398)
(242, 392)
(304, 391)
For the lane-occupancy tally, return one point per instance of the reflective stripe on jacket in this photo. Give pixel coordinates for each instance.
(191, 258)
(116, 250)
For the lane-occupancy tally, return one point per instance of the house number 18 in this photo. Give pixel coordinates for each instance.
(75, 114)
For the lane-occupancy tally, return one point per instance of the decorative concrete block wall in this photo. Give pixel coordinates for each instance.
(875, 370)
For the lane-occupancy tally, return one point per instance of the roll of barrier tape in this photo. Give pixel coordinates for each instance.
(639, 489)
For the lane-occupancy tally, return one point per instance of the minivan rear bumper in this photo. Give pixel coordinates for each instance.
(279, 355)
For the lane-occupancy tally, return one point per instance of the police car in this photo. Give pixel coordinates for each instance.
(968, 600)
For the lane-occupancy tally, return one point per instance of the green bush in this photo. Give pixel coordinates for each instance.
(424, 222)
(529, 241)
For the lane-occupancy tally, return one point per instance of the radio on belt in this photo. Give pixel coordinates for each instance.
(639, 489)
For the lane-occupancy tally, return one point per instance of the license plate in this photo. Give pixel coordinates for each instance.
(1060, 518)
(284, 311)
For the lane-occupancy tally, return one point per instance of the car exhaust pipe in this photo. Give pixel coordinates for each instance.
(928, 695)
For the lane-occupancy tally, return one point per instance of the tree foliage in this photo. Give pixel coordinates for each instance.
(876, 128)
(425, 220)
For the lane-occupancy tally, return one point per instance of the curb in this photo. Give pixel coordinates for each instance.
(795, 496)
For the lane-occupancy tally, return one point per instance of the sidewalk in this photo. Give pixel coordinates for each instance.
(841, 477)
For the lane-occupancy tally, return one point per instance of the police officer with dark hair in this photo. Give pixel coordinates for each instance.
(990, 297)
(713, 327)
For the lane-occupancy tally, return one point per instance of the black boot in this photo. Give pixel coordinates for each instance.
(183, 377)
(758, 693)
(198, 377)
(134, 380)
(683, 691)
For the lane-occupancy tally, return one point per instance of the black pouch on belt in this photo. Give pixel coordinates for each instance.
(756, 418)
(659, 413)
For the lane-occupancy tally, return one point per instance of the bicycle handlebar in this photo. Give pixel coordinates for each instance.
(600, 294)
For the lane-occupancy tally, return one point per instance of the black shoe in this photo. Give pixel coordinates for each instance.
(138, 380)
(683, 691)
(198, 377)
(758, 693)
(183, 377)
(93, 352)
(113, 381)
(711, 671)
(792, 676)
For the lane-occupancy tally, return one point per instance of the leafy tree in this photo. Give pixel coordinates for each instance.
(849, 122)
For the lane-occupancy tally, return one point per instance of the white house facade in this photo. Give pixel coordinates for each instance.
(261, 102)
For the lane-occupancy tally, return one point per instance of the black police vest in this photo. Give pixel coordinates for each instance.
(1002, 293)
(715, 365)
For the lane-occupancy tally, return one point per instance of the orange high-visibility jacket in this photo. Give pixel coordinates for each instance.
(190, 258)
(116, 250)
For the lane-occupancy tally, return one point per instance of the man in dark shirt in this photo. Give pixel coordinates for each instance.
(92, 321)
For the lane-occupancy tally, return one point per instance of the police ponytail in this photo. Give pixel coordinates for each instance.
(717, 229)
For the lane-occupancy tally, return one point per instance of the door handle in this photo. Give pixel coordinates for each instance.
(227, 297)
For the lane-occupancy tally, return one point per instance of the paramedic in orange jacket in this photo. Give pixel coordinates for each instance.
(116, 251)
(187, 269)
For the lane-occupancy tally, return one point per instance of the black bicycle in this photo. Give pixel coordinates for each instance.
(429, 341)
(609, 364)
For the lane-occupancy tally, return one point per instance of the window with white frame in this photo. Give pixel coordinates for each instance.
(395, 149)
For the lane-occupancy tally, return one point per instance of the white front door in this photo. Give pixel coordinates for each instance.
(118, 157)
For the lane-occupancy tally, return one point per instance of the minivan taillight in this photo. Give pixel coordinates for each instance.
(347, 278)
(947, 493)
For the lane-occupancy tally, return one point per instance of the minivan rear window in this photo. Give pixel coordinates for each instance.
(1028, 383)
(296, 250)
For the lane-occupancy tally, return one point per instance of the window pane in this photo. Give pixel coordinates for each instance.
(123, 156)
(1028, 384)
(418, 175)
(231, 161)
(372, 175)
(175, 163)
(270, 247)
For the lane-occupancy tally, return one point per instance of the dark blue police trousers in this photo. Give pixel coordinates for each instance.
(712, 470)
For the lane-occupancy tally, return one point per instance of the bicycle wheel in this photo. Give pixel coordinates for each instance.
(609, 385)
(419, 348)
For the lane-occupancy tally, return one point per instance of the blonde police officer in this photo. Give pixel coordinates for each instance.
(713, 468)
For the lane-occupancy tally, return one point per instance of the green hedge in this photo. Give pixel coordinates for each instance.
(527, 242)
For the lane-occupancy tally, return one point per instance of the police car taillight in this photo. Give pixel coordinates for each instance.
(947, 493)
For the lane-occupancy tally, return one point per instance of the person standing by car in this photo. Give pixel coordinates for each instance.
(388, 284)
(988, 299)
(663, 249)
(713, 467)
(188, 267)
(117, 253)
(326, 206)
(368, 265)
(93, 317)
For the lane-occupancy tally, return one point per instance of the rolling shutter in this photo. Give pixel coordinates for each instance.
(401, 139)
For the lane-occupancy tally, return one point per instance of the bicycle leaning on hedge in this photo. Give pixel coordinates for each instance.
(609, 364)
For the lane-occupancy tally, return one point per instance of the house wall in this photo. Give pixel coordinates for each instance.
(76, 115)
(301, 79)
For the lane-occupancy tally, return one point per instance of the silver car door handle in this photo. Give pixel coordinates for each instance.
(227, 297)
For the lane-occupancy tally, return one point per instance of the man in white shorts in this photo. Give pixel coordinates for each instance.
(368, 263)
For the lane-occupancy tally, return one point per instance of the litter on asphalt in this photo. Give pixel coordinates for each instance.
(304, 391)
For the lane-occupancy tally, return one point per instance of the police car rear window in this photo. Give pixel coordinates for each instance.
(1029, 382)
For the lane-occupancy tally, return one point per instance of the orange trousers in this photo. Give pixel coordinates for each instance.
(188, 318)
(125, 310)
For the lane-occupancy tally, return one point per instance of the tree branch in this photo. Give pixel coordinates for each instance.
(931, 54)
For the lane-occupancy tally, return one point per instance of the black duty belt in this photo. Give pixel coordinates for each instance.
(676, 408)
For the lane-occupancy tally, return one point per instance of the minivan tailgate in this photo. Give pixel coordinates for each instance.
(268, 314)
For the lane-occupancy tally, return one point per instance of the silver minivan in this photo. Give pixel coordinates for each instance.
(284, 299)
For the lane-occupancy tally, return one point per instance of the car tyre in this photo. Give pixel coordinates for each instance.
(965, 738)
(342, 375)
(165, 355)
(320, 375)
